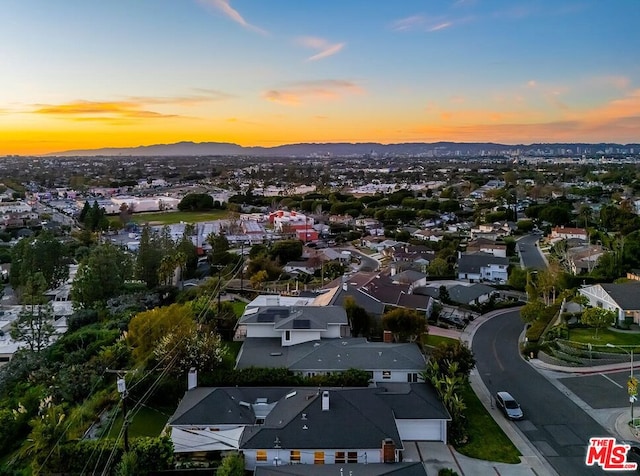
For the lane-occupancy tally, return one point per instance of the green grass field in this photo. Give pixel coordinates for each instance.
(605, 336)
(487, 441)
(146, 421)
(434, 340)
(172, 217)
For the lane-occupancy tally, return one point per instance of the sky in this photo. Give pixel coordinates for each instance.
(86, 74)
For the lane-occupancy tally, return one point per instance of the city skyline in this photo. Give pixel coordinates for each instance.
(84, 75)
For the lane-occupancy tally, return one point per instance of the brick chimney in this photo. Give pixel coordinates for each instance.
(388, 451)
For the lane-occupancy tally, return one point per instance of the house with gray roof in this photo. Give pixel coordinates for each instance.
(415, 468)
(293, 325)
(623, 299)
(475, 294)
(475, 267)
(287, 426)
(384, 361)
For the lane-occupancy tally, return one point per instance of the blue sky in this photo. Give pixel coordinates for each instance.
(89, 73)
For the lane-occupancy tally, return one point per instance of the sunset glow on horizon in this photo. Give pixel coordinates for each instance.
(85, 75)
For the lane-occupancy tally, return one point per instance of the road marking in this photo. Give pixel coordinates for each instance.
(612, 381)
(495, 353)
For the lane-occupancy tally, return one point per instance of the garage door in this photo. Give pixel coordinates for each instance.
(420, 430)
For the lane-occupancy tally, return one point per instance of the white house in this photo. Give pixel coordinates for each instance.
(623, 299)
(474, 267)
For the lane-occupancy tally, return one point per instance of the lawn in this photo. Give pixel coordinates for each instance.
(146, 421)
(605, 336)
(172, 217)
(238, 307)
(487, 441)
(434, 340)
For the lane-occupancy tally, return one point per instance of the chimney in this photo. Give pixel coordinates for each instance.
(192, 378)
(388, 451)
(387, 337)
(325, 401)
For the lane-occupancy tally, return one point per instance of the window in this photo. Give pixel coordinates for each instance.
(294, 456)
(412, 377)
(318, 457)
(261, 455)
(287, 335)
(340, 457)
(386, 374)
(352, 457)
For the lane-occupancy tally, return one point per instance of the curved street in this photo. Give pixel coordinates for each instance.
(554, 424)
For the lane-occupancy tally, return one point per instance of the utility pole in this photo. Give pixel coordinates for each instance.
(241, 265)
(122, 390)
(219, 267)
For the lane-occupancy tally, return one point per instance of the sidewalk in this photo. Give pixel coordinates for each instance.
(531, 461)
(615, 420)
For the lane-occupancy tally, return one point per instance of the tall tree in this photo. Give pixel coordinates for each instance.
(34, 324)
(148, 258)
(359, 320)
(44, 254)
(101, 276)
(405, 324)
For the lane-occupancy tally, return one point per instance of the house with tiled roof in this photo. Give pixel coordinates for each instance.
(622, 298)
(566, 233)
(286, 426)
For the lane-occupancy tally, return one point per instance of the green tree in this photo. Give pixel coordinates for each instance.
(147, 328)
(231, 465)
(34, 324)
(532, 311)
(438, 267)
(101, 276)
(598, 318)
(286, 250)
(458, 353)
(148, 258)
(44, 254)
(517, 278)
(405, 324)
(359, 319)
(443, 295)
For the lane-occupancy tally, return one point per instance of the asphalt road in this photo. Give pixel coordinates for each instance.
(530, 254)
(553, 423)
(601, 390)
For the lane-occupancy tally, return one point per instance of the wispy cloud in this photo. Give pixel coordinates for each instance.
(225, 7)
(428, 24)
(99, 110)
(295, 93)
(322, 46)
(135, 107)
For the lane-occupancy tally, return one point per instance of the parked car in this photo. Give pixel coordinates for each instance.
(633, 455)
(509, 406)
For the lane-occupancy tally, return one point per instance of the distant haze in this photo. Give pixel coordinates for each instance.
(345, 149)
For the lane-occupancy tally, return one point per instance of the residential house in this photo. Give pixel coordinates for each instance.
(297, 267)
(415, 468)
(276, 427)
(583, 259)
(472, 294)
(566, 233)
(623, 299)
(484, 245)
(493, 231)
(474, 267)
(314, 340)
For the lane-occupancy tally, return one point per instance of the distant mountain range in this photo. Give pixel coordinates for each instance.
(349, 149)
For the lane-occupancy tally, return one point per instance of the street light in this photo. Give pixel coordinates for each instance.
(632, 383)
